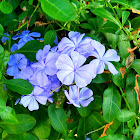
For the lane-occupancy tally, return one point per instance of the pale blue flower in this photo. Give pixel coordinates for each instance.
(76, 43)
(32, 99)
(16, 63)
(71, 69)
(103, 58)
(78, 97)
(45, 67)
(4, 38)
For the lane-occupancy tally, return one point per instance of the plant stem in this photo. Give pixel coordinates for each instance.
(125, 99)
(96, 130)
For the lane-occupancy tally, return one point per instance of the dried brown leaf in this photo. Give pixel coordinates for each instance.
(123, 71)
(137, 90)
(105, 129)
(129, 59)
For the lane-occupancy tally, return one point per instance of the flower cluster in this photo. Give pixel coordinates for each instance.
(64, 63)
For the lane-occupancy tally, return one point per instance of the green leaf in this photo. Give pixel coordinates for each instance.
(129, 4)
(19, 85)
(43, 127)
(117, 78)
(1, 49)
(85, 111)
(137, 133)
(58, 119)
(30, 49)
(1, 29)
(96, 120)
(49, 37)
(135, 22)
(14, 3)
(122, 2)
(3, 94)
(97, 103)
(125, 15)
(54, 135)
(109, 27)
(113, 137)
(96, 4)
(112, 128)
(9, 115)
(111, 103)
(2, 105)
(125, 115)
(136, 65)
(123, 45)
(59, 10)
(95, 136)
(102, 78)
(131, 95)
(83, 128)
(30, 2)
(131, 123)
(25, 123)
(86, 26)
(105, 14)
(24, 136)
(112, 39)
(6, 7)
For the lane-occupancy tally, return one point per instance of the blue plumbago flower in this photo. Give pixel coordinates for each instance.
(44, 68)
(26, 73)
(26, 36)
(104, 58)
(41, 54)
(71, 69)
(77, 98)
(14, 47)
(56, 40)
(31, 99)
(41, 39)
(55, 83)
(16, 62)
(4, 38)
(76, 43)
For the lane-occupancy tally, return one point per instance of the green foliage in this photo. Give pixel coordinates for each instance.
(58, 119)
(62, 10)
(115, 24)
(125, 115)
(19, 85)
(24, 136)
(30, 49)
(113, 137)
(49, 37)
(111, 103)
(25, 123)
(6, 7)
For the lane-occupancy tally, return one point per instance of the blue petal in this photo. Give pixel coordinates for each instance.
(83, 76)
(99, 48)
(85, 103)
(41, 78)
(66, 77)
(73, 92)
(13, 71)
(111, 55)
(35, 34)
(64, 62)
(85, 93)
(33, 105)
(78, 60)
(14, 47)
(111, 68)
